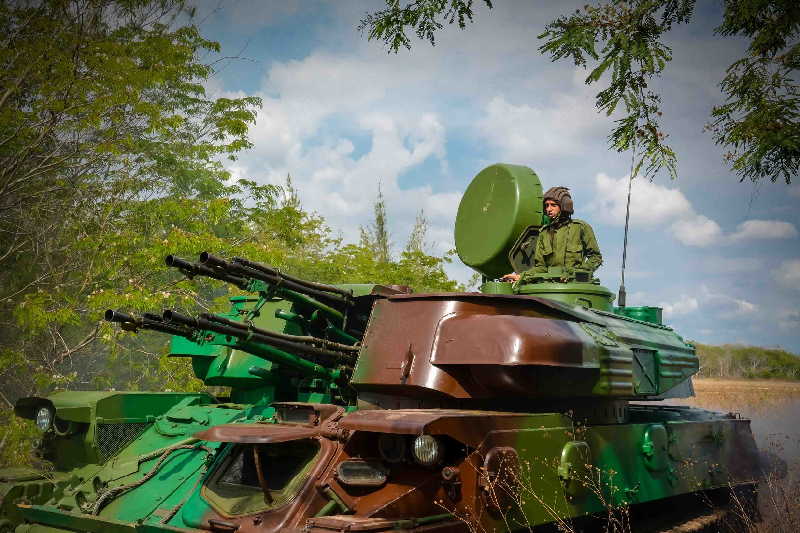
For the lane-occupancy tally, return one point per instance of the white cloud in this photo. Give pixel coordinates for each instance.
(657, 205)
(763, 229)
(696, 230)
(651, 204)
(299, 131)
(717, 304)
(682, 306)
(531, 132)
(731, 265)
(725, 306)
(788, 273)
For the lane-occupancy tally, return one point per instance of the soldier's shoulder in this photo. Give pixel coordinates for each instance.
(585, 226)
(580, 222)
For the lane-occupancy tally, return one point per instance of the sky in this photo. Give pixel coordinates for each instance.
(343, 117)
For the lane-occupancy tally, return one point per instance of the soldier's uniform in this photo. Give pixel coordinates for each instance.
(565, 242)
(570, 244)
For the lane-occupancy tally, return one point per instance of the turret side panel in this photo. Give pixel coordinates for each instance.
(465, 348)
(469, 346)
(466, 337)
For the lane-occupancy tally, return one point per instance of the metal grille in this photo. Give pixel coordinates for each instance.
(111, 438)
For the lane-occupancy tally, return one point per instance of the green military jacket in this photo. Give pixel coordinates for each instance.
(570, 244)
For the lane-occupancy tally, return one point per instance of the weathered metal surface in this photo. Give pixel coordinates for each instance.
(486, 346)
(468, 427)
(256, 433)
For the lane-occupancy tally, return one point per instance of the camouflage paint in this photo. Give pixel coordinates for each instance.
(435, 347)
(512, 467)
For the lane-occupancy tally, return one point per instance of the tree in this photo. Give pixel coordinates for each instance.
(109, 155)
(372, 262)
(417, 238)
(376, 236)
(759, 123)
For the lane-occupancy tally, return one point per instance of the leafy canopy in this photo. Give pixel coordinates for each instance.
(624, 40)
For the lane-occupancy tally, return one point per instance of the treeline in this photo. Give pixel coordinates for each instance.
(747, 362)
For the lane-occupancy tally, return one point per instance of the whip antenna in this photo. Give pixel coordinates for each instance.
(621, 296)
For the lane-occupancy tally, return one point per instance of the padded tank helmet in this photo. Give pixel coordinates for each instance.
(560, 195)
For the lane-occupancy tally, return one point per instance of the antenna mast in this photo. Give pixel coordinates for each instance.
(621, 296)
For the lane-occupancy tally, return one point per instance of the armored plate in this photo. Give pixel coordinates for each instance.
(500, 202)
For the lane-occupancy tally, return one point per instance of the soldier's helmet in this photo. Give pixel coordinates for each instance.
(560, 195)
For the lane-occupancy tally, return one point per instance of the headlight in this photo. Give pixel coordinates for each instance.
(44, 418)
(427, 450)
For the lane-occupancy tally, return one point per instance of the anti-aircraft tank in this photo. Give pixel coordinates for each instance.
(373, 408)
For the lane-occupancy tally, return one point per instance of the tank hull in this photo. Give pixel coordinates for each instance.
(500, 471)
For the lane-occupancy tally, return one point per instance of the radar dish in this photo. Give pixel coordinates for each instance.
(500, 202)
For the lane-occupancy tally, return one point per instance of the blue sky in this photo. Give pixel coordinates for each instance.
(341, 115)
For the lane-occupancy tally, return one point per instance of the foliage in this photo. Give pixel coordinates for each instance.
(416, 239)
(110, 154)
(628, 37)
(371, 261)
(423, 16)
(738, 361)
(622, 41)
(376, 237)
(760, 120)
(16, 439)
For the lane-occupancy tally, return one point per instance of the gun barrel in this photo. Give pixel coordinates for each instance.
(173, 316)
(299, 343)
(211, 260)
(335, 297)
(275, 347)
(310, 284)
(147, 321)
(119, 317)
(195, 269)
(242, 332)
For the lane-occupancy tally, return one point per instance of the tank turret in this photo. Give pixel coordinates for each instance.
(552, 334)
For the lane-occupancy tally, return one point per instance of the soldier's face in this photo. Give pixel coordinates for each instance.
(551, 208)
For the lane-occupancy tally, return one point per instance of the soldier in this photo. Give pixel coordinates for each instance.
(564, 242)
